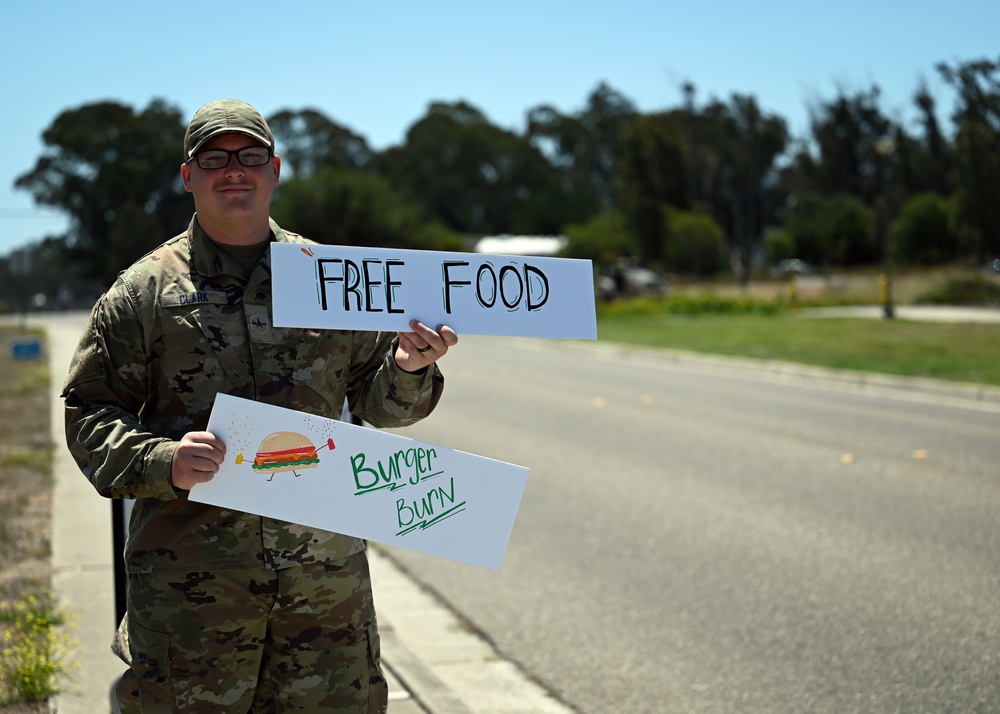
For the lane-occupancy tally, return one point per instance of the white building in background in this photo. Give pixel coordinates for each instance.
(545, 246)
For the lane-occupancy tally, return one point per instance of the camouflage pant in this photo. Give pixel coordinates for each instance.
(261, 641)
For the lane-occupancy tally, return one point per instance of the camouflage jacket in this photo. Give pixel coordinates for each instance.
(179, 327)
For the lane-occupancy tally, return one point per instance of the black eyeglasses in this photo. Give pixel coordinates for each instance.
(211, 159)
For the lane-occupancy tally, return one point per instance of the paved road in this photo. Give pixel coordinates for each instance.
(700, 538)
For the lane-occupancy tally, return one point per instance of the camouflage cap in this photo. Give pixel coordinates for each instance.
(225, 116)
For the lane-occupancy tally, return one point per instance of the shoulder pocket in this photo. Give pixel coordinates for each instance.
(87, 364)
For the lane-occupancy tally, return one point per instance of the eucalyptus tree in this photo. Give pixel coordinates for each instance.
(736, 172)
(114, 172)
(473, 176)
(925, 157)
(308, 139)
(848, 151)
(585, 146)
(977, 148)
(652, 177)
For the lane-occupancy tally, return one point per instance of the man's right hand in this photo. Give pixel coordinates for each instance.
(196, 459)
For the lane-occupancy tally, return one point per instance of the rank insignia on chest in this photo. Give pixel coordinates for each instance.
(259, 322)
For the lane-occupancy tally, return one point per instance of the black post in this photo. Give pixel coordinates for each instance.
(886, 149)
(882, 217)
(119, 527)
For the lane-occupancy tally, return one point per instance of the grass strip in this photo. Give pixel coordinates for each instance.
(957, 352)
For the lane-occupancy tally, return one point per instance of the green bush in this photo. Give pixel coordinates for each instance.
(706, 303)
(779, 245)
(923, 234)
(338, 207)
(837, 230)
(601, 239)
(696, 244)
(632, 307)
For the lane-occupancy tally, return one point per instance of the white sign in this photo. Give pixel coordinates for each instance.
(327, 474)
(349, 288)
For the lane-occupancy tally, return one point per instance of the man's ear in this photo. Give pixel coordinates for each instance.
(277, 168)
(186, 177)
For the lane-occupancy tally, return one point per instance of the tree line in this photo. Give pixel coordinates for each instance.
(695, 189)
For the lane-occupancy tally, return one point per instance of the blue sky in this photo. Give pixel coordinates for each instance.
(374, 66)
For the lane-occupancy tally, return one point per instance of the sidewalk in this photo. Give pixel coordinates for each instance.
(434, 665)
(917, 313)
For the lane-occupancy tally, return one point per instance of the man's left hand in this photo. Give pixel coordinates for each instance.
(423, 346)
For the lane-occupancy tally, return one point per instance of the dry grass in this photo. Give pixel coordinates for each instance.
(25, 488)
(856, 286)
(25, 474)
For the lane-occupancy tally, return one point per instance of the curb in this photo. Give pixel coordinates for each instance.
(444, 666)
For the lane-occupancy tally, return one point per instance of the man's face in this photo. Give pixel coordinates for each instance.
(235, 192)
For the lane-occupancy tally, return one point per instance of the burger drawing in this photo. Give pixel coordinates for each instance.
(286, 451)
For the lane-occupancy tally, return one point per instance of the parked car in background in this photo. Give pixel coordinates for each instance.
(629, 281)
(791, 267)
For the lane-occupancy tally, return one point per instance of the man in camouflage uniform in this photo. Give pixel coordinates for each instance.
(228, 611)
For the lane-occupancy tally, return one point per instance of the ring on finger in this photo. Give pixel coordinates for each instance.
(425, 348)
